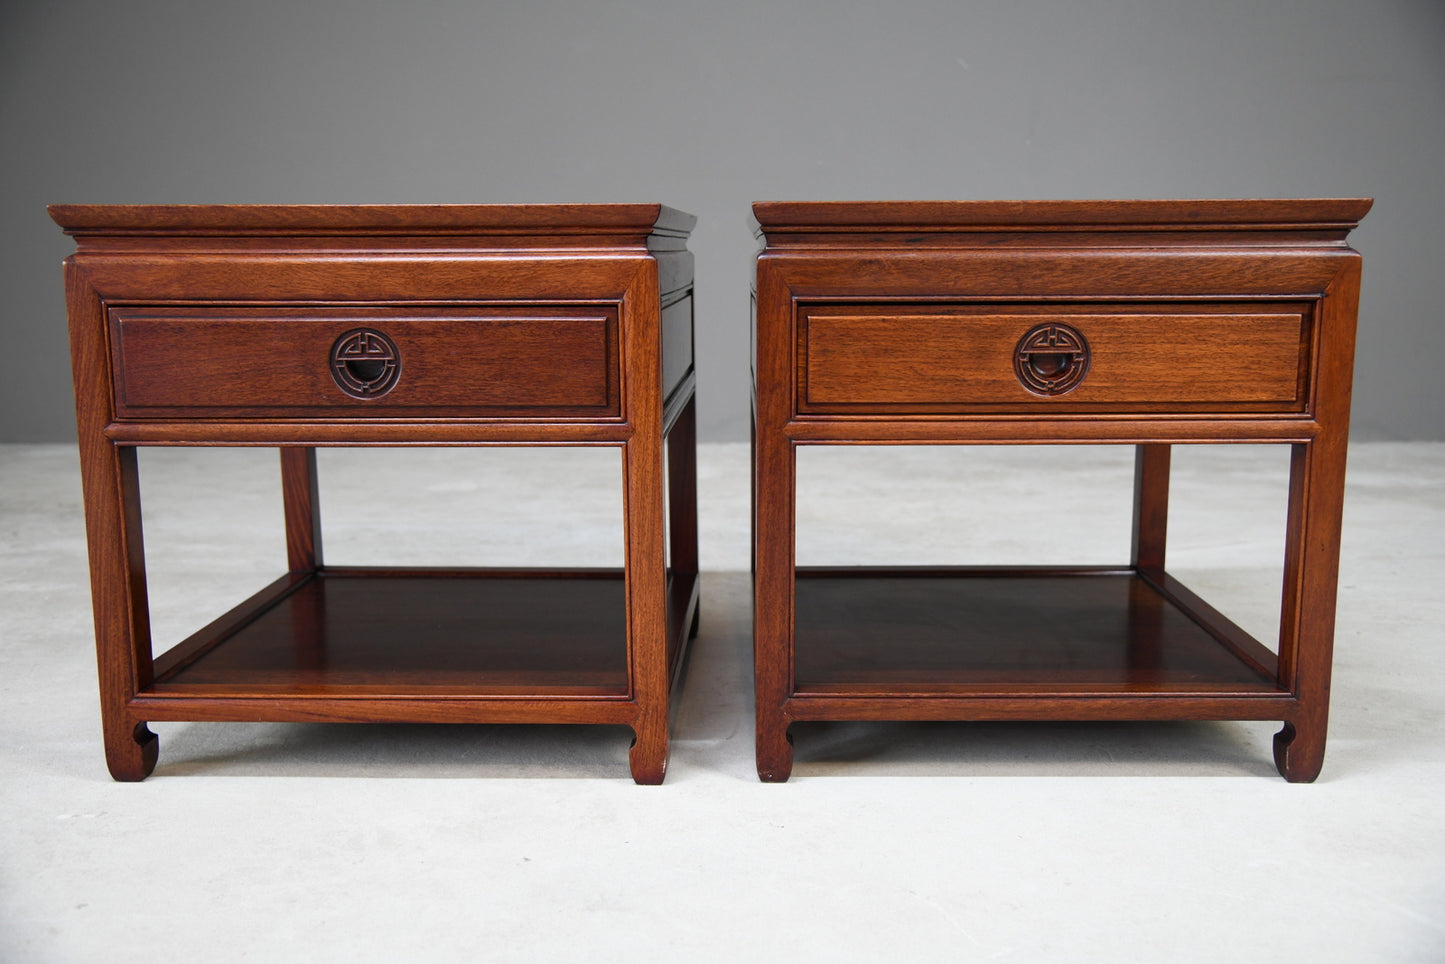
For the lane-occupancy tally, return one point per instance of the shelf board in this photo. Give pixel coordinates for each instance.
(412, 633)
(1025, 632)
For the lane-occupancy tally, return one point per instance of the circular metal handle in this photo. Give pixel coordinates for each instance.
(1051, 359)
(365, 363)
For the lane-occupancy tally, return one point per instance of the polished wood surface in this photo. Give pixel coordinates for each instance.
(642, 223)
(986, 631)
(500, 324)
(187, 362)
(342, 632)
(936, 359)
(1179, 321)
(1054, 222)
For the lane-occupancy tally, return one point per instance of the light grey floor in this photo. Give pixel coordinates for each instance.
(911, 842)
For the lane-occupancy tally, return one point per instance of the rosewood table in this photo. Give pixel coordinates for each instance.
(304, 326)
(1147, 323)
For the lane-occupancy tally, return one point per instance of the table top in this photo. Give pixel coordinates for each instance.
(842, 217)
(371, 219)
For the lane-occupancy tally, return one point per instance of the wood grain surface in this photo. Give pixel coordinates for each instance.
(510, 324)
(902, 322)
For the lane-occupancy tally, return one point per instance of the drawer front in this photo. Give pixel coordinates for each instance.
(417, 361)
(1082, 358)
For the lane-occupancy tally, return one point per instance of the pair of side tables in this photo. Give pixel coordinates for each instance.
(1147, 323)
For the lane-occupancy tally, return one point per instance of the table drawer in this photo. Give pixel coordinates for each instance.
(930, 359)
(392, 362)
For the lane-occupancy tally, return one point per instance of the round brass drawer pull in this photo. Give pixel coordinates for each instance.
(365, 363)
(1051, 359)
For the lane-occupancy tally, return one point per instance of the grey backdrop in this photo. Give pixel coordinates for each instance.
(707, 105)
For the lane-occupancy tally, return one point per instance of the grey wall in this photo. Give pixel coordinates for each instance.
(708, 105)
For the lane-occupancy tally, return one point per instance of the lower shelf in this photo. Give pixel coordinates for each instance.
(359, 632)
(904, 632)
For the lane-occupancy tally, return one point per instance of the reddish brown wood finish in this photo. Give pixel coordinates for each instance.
(1206, 321)
(921, 359)
(515, 324)
(272, 362)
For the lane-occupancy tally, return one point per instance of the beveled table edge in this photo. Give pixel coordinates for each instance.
(1135, 215)
(388, 219)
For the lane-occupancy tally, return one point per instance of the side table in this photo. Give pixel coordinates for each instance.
(1148, 323)
(299, 326)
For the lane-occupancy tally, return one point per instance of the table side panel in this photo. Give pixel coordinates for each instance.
(677, 341)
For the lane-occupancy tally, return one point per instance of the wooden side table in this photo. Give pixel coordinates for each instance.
(1142, 322)
(299, 326)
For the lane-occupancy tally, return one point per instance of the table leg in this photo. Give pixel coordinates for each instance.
(773, 602)
(646, 602)
(122, 612)
(111, 486)
(302, 508)
(1151, 506)
(1307, 618)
